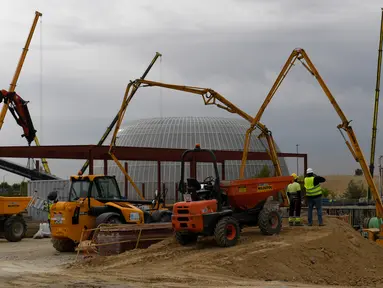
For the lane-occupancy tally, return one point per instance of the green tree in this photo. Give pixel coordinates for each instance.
(264, 173)
(355, 190)
(325, 192)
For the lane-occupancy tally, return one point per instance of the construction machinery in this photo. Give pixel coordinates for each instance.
(95, 200)
(221, 208)
(376, 105)
(301, 56)
(16, 105)
(210, 97)
(12, 224)
(124, 104)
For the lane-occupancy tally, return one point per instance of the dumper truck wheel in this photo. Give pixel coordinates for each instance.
(15, 228)
(186, 238)
(63, 245)
(227, 232)
(270, 221)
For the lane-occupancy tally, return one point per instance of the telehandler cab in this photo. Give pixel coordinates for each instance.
(221, 208)
(95, 200)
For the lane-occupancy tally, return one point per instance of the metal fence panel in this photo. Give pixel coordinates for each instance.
(43, 188)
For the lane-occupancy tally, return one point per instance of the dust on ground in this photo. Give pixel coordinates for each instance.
(330, 255)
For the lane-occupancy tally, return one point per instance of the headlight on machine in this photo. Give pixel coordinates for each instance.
(134, 216)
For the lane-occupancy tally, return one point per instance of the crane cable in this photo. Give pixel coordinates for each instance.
(41, 79)
(160, 87)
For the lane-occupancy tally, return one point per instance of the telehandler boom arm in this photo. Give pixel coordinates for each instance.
(301, 56)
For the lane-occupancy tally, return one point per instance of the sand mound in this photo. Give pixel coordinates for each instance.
(334, 254)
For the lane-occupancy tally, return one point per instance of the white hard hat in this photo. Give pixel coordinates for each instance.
(309, 170)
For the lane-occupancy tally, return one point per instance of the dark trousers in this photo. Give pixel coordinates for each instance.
(317, 203)
(295, 209)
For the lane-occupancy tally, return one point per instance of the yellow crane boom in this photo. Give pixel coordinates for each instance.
(12, 86)
(301, 56)
(210, 97)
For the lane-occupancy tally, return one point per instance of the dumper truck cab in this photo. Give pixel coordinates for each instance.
(221, 208)
(92, 200)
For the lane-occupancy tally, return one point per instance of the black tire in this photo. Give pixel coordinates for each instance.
(186, 238)
(63, 245)
(227, 231)
(270, 221)
(15, 228)
(166, 218)
(113, 220)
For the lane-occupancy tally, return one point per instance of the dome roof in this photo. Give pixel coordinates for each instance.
(184, 132)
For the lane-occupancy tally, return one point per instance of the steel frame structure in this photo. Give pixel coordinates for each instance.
(94, 152)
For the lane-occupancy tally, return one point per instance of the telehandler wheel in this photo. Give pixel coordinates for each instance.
(166, 217)
(186, 238)
(15, 228)
(113, 220)
(227, 232)
(270, 221)
(63, 245)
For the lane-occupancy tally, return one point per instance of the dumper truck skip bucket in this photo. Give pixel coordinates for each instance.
(247, 193)
(12, 223)
(13, 205)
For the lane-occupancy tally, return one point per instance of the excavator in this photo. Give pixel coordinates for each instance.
(18, 106)
(300, 55)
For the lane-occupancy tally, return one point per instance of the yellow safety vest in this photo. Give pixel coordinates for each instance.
(49, 211)
(312, 190)
(293, 188)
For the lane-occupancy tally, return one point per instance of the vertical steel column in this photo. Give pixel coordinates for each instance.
(143, 189)
(223, 170)
(158, 177)
(105, 166)
(125, 180)
(90, 162)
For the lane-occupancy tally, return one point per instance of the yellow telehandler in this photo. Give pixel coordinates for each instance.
(95, 200)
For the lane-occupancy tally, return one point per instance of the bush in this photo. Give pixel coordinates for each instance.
(325, 192)
(264, 173)
(355, 190)
(358, 172)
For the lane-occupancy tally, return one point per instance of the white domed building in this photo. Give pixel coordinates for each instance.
(183, 133)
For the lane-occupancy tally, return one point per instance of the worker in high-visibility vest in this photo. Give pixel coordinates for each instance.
(314, 195)
(48, 206)
(295, 196)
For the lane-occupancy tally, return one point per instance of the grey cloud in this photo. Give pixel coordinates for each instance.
(92, 49)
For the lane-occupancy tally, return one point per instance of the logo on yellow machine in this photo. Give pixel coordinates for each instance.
(242, 189)
(13, 204)
(264, 187)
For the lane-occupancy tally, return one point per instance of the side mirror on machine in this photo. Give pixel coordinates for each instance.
(52, 196)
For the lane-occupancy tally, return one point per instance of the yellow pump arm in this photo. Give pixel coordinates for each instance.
(13, 84)
(210, 97)
(376, 105)
(300, 55)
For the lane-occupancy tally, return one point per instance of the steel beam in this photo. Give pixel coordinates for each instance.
(125, 153)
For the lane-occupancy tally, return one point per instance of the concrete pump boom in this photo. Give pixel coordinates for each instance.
(210, 97)
(300, 55)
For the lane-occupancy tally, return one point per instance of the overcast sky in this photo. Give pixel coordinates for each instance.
(91, 49)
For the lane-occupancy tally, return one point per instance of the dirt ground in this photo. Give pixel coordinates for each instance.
(313, 256)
